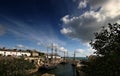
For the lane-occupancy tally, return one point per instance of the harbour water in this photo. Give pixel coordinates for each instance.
(61, 70)
(78, 58)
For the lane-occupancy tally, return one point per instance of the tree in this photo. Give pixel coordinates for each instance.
(107, 41)
(107, 46)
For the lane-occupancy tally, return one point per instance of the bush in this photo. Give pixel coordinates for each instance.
(14, 67)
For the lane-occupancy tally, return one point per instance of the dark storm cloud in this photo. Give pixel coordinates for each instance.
(83, 26)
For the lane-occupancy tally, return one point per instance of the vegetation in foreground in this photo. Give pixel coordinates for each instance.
(10, 66)
(107, 59)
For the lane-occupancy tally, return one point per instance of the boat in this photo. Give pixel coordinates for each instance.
(64, 60)
(47, 67)
(73, 64)
(63, 63)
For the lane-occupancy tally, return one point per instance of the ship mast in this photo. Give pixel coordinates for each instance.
(47, 55)
(52, 52)
(74, 56)
(55, 53)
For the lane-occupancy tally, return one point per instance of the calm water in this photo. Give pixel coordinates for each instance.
(62, 70)
(78, 58)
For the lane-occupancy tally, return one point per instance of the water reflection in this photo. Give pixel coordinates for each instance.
(62, 70)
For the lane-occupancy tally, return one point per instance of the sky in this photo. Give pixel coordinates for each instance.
(68, 24)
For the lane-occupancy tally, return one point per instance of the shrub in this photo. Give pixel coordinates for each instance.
(14, 67)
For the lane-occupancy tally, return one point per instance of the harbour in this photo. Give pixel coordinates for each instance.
(61, 70)
(59, 38)
(45, 64)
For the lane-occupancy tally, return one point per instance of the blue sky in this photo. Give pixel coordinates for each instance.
(67, 23)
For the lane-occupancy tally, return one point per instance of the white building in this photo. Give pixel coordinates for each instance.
(54, 56)
(14, 53)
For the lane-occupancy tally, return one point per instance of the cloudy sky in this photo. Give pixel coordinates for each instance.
(70, 24)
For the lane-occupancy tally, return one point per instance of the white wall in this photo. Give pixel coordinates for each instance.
(12, 53)
(58, 57)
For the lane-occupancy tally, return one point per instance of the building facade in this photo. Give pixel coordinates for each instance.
(14, 53)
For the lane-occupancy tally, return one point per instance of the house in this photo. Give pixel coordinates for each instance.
(34, 53)
(9, 52)
(15, 52)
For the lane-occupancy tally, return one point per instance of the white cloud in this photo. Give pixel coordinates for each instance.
(62, 49)
(79, 51)
(20, 46)
(83, 26)
(65, 19)
(65, 30)
(95, 4)
(2, 30)
(83, 4)
(111, 8)
(39, 43)
(53, 46)
(82, 52)
(80, 28)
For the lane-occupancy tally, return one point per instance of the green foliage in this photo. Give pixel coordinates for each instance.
(107, 46)
(14, 67)
(107, 41)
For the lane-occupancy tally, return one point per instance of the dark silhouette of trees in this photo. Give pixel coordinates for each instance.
(107, 59)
